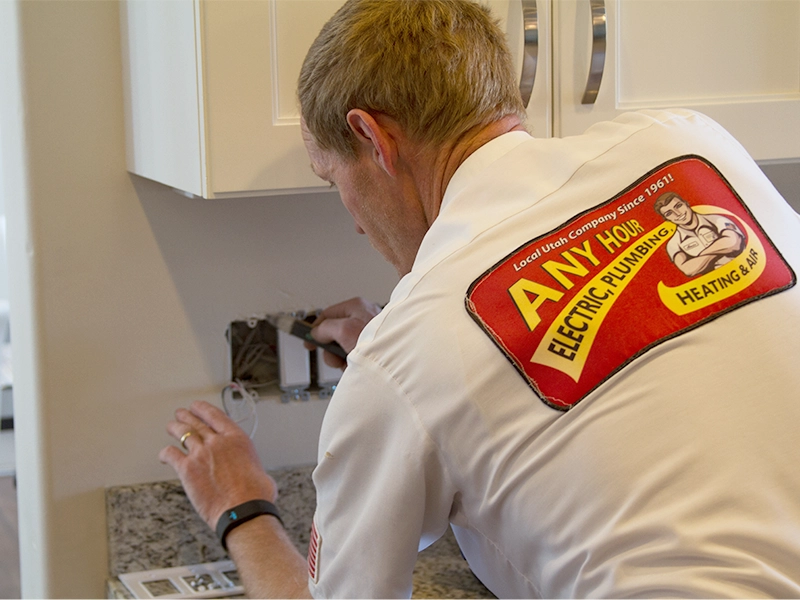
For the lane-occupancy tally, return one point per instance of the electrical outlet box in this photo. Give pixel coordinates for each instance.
(294, 368)
(327, 377)
(253, 346)
(276, 364)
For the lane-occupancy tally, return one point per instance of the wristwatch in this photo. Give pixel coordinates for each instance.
(233, 517)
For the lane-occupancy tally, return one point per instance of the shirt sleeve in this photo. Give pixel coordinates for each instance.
(382, 490)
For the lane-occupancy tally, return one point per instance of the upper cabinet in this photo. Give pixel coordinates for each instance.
(210, 93)
(210, 84)
(738, 61)
(527, 24)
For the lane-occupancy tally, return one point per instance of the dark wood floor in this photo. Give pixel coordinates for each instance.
(9, 544)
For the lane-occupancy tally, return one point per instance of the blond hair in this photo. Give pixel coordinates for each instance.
(438, 67)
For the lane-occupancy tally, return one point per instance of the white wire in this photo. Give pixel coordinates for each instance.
(241, 410)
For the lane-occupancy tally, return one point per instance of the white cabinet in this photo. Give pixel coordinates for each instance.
(736, 60)
(533, 63)
(210, 93)
(210, 84)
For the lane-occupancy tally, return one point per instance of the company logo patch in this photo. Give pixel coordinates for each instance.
(314, 545)
(675, 250)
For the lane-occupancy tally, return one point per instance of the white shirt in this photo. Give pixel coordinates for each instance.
(675, 475)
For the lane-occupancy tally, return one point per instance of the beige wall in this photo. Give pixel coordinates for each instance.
(785, 176)
(121, 290)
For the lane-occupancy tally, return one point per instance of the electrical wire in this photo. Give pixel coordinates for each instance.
(242, 410)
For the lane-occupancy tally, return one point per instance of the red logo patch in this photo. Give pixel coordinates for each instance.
(673, 251)
(314, 545)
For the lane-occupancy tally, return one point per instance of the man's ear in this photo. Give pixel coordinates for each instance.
(374, 139)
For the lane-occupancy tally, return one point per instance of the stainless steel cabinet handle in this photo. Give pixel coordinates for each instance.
(530, 29)
(598, 51)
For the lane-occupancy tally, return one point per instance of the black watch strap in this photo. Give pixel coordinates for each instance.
(233, 517)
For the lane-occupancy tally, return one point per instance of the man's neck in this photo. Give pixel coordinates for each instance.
(435, 167)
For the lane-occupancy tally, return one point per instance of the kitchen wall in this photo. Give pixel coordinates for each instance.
(785, 176)
(121, 290)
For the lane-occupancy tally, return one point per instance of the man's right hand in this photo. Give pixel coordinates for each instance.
(343, 323)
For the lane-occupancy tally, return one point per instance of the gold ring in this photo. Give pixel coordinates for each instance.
(183, 439)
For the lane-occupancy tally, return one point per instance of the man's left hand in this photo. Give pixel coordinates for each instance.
(220, 468)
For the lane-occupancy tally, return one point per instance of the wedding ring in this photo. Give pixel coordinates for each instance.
(183, 439)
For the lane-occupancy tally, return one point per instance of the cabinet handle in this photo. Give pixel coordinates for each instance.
(530, 30)
(598, 51)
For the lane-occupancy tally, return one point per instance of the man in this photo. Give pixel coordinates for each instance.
(702, 242)
(538, 382)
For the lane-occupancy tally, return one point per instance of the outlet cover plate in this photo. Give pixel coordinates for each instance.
(207, 580)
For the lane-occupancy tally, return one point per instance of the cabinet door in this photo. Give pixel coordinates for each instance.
(738, 61)
(527, 25)
(252, 54)
(162, 104)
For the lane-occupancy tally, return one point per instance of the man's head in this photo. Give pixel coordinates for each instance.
(394, 95)
(674, 209)
(437, 67)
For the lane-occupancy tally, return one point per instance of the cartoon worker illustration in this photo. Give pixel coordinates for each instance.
(702, 242)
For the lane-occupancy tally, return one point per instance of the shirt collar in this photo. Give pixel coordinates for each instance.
(449, 230)
(480, 159)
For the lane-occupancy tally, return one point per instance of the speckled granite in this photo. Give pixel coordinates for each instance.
(153, 526)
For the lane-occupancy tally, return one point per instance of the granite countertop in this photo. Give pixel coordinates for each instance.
(153, 526)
